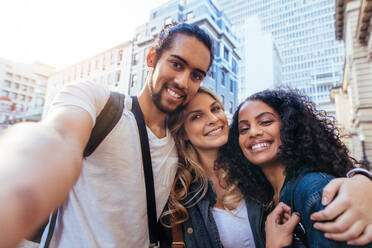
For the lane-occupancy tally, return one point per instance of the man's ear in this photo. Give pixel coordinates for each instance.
(150, 58)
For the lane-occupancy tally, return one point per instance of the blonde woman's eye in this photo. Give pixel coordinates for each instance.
(217, 108)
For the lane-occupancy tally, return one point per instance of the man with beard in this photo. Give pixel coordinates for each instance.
(102, 199)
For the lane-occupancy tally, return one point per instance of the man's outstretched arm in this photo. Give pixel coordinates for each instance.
(39, 164)
(348, 215)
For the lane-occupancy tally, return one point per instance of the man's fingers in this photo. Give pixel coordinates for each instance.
(331, 189)
(340, 225)
(352, 233)
(334, 209)
(364, 239)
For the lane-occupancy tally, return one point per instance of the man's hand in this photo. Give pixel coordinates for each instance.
(349, 214)
(280, 225)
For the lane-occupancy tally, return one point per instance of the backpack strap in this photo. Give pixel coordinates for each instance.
(105, 122)
(299, 233)
(149, 178)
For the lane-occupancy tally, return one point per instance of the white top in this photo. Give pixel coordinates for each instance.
(107, 205)
(234, 227)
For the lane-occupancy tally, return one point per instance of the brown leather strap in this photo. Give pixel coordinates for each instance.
(177, 237)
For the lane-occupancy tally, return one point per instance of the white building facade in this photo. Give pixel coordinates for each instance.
(22, 91)
(260, 67)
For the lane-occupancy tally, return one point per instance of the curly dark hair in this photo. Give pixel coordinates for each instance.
(309, 138)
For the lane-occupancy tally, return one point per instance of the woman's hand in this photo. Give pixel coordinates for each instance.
(279, 226)
(348, 215)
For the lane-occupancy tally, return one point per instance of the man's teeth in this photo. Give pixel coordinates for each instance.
(260, 146)
(172, 93)
(215, 131)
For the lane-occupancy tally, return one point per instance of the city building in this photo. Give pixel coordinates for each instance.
(353, 100)
(260, 67)
(303, 31)
(223, 74)
(22, 91)
(109, 68)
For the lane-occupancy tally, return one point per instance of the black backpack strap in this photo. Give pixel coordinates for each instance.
(299, 234)
(149, 179)
(105, 122)
(52, 224)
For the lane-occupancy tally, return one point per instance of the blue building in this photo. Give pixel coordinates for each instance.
(223, 74)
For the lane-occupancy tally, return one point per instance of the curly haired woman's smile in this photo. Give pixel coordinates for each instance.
(259, 129)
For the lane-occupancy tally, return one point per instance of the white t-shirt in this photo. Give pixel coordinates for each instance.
(107, 205)
(234, 227)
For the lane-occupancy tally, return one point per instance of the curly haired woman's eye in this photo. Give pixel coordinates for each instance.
(243, 130)
(266, 122)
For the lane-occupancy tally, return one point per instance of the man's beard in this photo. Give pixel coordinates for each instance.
(156, 99)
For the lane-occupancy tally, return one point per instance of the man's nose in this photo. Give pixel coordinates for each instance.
(182, 80)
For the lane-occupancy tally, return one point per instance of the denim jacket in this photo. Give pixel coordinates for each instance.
(200, 230)
(307, 200)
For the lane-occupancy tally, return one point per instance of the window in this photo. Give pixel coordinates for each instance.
(231, 85)
(7, 83)
(230, 107)
(223, 99)
(154, 15)
(234, 66)
(120, 56)
(135, 59)
(189, 16)
(13, 96)
(118, 76)
(16, 85)
(4, 93)
(168, 21)
(223, 79)
(134, 80)
(226, 54)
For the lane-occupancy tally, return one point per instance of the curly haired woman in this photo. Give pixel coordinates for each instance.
(277, 137)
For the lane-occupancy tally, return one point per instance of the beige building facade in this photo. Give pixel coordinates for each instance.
(22, 91)
(354, 98)
(111, 68)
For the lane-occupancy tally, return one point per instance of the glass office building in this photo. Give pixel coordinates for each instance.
(303, 31)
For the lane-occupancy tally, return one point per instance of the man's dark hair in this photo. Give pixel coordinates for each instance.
(169, 32)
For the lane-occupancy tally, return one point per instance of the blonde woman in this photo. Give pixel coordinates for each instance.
(214, 213)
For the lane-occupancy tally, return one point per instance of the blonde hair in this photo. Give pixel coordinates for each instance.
(190, 170)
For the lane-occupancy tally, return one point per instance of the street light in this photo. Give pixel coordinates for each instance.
(365, 162)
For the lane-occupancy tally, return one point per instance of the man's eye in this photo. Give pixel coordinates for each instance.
(175, 64)
(196, 76)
